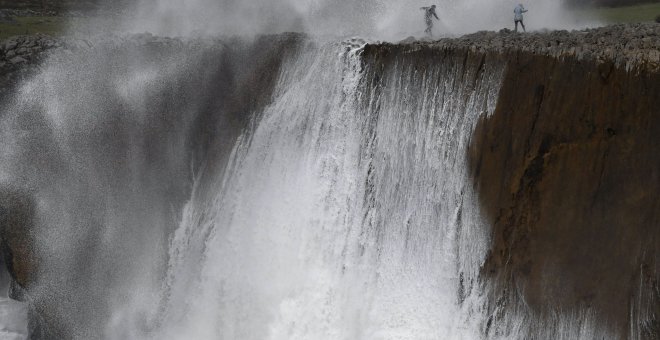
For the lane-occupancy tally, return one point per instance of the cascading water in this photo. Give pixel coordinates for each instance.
(12, 316)
(344, 212)
(102, 143)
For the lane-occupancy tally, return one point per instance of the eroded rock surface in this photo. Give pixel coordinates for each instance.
(629, 46)
(568, 171)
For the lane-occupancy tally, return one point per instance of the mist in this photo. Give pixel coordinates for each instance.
(375, 19)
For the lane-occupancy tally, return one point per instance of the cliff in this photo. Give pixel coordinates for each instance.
(566, 168)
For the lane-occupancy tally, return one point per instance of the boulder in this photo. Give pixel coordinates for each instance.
(16, 220)
(10, 45)
(17, 60)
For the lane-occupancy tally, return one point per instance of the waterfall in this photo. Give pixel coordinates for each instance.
(103, 141)
(280, 188)
(341, 208)
(345, 211)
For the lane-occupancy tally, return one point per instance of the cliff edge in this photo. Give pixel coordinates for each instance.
(568, 169)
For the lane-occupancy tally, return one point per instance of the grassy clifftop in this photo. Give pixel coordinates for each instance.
(635, 13)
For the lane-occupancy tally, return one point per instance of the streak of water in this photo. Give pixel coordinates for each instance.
(12, 320)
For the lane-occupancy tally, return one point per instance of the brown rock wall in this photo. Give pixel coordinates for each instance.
(568, 170)
(16, 219)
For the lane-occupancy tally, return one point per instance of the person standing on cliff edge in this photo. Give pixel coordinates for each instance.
(518, 16)
(429, 13)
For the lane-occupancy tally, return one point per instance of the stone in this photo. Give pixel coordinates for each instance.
(6, 18)
(567, 171)
(10, 45)
(17, 60)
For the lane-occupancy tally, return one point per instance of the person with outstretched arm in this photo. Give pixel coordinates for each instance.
(429, 13)
(518, 16)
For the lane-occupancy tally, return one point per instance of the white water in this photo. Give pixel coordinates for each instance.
(12, 320)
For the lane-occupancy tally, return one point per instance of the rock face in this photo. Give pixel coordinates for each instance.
(16, 214)
(17, 248)
(568, 170)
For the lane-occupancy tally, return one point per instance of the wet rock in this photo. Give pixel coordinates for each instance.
(10, 45)
(568, 170)
(16, 219)
(17, 60)
(32, 42)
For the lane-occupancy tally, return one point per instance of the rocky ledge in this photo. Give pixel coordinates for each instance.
(22, 55)
(31, 49)
(22, 49)
(629, 46)
(19, 55)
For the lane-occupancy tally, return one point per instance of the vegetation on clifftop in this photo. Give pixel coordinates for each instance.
(51, 25)
(636, 13)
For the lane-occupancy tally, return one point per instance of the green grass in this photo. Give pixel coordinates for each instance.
(627, 14)
(32, 25)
